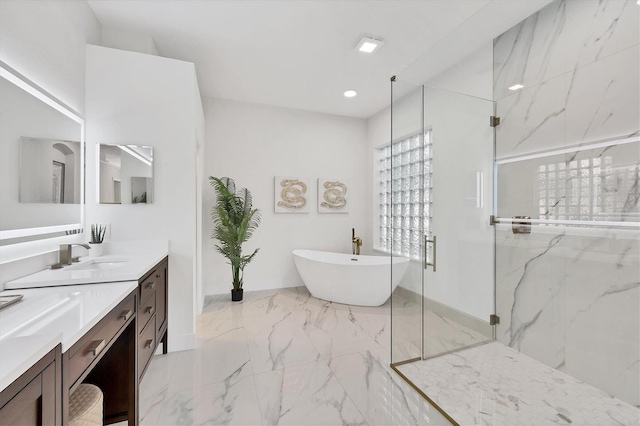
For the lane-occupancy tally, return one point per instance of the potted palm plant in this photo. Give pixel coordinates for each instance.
(234, 220)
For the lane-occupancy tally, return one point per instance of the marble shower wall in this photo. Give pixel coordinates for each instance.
(578, 63)
(567, 296)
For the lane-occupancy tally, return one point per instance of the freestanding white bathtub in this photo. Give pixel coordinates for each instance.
(350, 279)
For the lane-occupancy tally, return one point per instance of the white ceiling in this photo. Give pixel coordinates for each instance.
(300, 54)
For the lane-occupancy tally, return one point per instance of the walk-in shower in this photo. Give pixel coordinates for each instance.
(521, 217)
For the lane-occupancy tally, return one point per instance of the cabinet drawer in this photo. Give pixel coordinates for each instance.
(97, 339)
(146, 345)
(146, 310)
(148, 285)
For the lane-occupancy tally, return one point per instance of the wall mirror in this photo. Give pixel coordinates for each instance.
(41, 163)
(126, 174)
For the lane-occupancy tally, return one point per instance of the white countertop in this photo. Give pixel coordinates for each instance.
(121, 263)
(47, 316)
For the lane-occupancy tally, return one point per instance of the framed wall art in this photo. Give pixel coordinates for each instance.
(333, 196)
(291, 194)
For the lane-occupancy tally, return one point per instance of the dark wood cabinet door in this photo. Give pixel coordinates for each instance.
(25, 408)
(34, 398)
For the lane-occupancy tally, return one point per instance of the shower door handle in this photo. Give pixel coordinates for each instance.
(426, 261)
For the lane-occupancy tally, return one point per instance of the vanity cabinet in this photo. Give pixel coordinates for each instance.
(105, 356)
(152, 313)
(34, 398)
(107, 335)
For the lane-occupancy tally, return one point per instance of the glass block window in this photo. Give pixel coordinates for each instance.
(588, 189)
(405, 194)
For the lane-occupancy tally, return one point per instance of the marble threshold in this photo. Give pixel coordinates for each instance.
(493, 384)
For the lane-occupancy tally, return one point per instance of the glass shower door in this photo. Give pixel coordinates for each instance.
(458, 284)
(401, 225)
(440, 187)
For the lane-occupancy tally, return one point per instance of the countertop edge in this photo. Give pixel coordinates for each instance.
(69, 341)
(149, 259)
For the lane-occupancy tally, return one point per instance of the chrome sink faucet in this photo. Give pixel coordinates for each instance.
(66, 256)
(356, 242)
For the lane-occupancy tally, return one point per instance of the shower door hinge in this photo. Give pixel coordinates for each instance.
(494, 319)
(492, 220)
(494, 121)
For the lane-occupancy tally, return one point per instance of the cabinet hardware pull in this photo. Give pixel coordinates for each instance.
(96, 347)
(126, 315)
(148, 343)
(149, 310)
(158, 275)
(150, 285)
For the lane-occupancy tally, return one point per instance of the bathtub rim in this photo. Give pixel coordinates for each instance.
(395, 260)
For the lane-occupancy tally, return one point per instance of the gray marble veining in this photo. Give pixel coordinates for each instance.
(569, 297)
(283, 357)
(578, 63)
(493, 384)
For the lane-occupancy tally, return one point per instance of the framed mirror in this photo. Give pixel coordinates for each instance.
(126, 174)
(41, 163)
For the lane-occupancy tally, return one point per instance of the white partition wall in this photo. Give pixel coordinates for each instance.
(139, 99)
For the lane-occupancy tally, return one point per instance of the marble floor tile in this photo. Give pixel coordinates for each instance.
(209, 364)
(233, 401)
(374, 322)
(334, 332)
(496, 385)
(277, 341)
(222, 306)
(211, 326)
(306, 394)
(379, 393)
(154, 386)
(284, 357)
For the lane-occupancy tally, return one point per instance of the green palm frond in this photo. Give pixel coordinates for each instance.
(234, 222)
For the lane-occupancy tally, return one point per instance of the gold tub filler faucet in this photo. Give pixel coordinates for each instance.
(356, 242)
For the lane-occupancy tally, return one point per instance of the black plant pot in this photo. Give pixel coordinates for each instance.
(236, 295)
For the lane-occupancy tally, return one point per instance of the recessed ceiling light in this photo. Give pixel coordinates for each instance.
(350, 93)
(516, 87)
(368, 44)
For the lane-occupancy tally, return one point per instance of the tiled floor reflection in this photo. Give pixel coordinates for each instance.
(493, 384)
(283, 357)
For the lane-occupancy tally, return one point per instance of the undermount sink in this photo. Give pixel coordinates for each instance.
(98, 264)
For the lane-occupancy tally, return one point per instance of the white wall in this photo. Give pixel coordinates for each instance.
(254, 143)
(45, 41)
(126, 40)
(139, 99)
